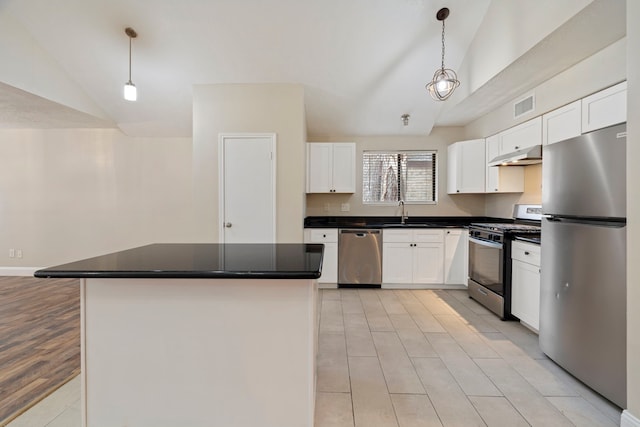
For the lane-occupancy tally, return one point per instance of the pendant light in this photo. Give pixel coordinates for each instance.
(130, 91)
(445, 80)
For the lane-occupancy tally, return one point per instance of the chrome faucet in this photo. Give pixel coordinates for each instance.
(404, 217)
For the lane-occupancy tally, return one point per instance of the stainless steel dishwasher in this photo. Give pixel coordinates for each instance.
(360, 258)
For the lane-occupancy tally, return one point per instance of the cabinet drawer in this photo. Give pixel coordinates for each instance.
(525, 252)
(321, 235)
(397, 236)
(432, 235)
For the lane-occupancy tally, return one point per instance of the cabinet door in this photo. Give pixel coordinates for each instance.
(453, 154)
(328, 237)
(500, 179)
(467, 165)
(605, 108)
(562, 123)
(525, 293)
(344, 171)
(319, 167)
(329, 264)
(428, 263)
(456, 257)
(522, 136)
(492, 150)
(397, 263)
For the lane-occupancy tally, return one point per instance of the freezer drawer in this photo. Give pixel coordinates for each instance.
(583, 302)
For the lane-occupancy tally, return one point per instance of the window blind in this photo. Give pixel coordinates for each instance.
(388, 177)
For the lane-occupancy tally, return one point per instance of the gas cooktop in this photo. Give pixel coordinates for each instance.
(508, 227)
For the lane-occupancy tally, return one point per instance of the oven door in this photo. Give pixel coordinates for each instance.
(485, 264)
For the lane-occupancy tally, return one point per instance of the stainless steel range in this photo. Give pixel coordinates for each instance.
(490, 257)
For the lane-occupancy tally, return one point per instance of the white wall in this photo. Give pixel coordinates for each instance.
(525, 22)
(597, 72)
(586, 77)
(246, 108)
(633, 209)
(25, 65)
(71, 194)
(438, 140)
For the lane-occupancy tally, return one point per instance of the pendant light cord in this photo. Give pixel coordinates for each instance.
(442, 45)
(130, 58)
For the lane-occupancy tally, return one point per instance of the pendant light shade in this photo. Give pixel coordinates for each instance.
(444, 80)
(130, 91)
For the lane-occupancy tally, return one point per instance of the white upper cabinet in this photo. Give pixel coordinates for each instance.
(605, 108)
(562, 123)
(331, 167)
(501, 179)
(466, 167)
(524, 135)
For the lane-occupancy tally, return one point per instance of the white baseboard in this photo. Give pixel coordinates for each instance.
(327, 285)
(421, 286)
(628, 420)
(18, 271)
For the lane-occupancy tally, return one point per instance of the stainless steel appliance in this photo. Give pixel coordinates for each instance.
(489, 280)
(360, 258)
(583, 281)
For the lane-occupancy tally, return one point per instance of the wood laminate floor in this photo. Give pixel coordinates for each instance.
(39, 340)
(421, 358)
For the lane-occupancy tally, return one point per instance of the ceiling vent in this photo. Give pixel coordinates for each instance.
(524, 106)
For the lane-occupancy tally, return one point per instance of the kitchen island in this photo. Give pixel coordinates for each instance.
(198, 335)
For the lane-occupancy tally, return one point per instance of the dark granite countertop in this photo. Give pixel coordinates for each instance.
(394, 221)
(199, 260)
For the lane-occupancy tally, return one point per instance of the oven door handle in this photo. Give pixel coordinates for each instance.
(485, 243)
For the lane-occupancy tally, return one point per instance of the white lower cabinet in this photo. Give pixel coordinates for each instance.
(328, 237)
(397, 262)
(456, 256)
(414, 256)
(428, 263)
(525, 283)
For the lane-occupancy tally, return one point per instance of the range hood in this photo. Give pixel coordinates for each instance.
(526, 156)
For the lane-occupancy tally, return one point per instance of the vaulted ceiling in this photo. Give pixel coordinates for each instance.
(363, 63)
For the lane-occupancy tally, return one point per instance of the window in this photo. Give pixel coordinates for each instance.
(388, 177)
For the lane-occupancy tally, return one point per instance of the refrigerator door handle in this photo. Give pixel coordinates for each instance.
(597, 222)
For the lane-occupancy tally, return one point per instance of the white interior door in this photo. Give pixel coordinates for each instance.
(247, 188)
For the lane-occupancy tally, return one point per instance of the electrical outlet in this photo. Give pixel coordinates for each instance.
(12, 253)
(326, 207)
(19, 253)
(345, 207)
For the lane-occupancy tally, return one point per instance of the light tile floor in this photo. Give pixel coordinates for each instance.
(404, 358)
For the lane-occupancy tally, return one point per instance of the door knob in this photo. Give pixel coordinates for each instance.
(228, 224)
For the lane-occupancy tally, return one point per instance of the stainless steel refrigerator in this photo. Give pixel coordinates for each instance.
(583, 269)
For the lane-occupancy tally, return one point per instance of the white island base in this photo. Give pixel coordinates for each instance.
(198, 352)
